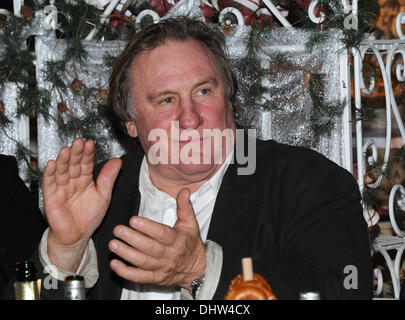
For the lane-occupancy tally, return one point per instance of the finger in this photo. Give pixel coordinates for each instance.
(87, 161)
(107, 176)
(133, 274)
(76, 154)
(185, 211)
(158, 231)
(48, 177)
(133, 256)
(62, 166)
(139, 241)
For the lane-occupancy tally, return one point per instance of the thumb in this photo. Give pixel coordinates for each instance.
(107, 176)
(185, 211)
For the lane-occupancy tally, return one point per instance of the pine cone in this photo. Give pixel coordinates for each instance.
(103, 94)
(27, 12)
(62, 107)
(228, 29)
(368, 178)
(34, 164)
(2, 107)
(76, 85)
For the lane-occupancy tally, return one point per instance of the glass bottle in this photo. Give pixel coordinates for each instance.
(74, 288)
(26, 286)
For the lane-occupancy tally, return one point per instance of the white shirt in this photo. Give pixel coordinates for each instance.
(160, 207)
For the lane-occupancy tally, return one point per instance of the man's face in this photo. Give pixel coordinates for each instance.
(179, 83)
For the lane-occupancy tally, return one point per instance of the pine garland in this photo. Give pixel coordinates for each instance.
(16, 66)
(252, 93)
(76, 20)
(335, 17)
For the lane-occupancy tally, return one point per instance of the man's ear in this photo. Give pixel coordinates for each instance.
(131, 128)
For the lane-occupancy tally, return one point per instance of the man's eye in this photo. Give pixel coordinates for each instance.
(168, 100)
(204, 91)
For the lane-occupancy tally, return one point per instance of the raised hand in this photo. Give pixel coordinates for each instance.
(161, 254)
(73, 203)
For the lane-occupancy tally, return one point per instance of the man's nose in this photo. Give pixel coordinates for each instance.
(189, 117)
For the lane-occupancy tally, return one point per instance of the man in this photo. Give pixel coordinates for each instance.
(173, 222)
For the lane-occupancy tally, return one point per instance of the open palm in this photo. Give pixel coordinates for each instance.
(73, 203)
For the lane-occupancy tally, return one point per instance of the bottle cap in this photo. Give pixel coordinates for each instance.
(310, 295)
(75, 281)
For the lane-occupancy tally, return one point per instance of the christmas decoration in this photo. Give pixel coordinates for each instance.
(75, 99)
(27, 12)
(162, 6)
(253, 11)
(76, 85)
(368, 178)
(297, 90)
(62, 107)
(34, 165)
(103, 94)
(228, 29)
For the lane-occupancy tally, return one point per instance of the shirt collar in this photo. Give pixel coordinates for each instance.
(146, 186)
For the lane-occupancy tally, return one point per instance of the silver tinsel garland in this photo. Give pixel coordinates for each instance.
(92, 72)
(291, 123)
(8, 95)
